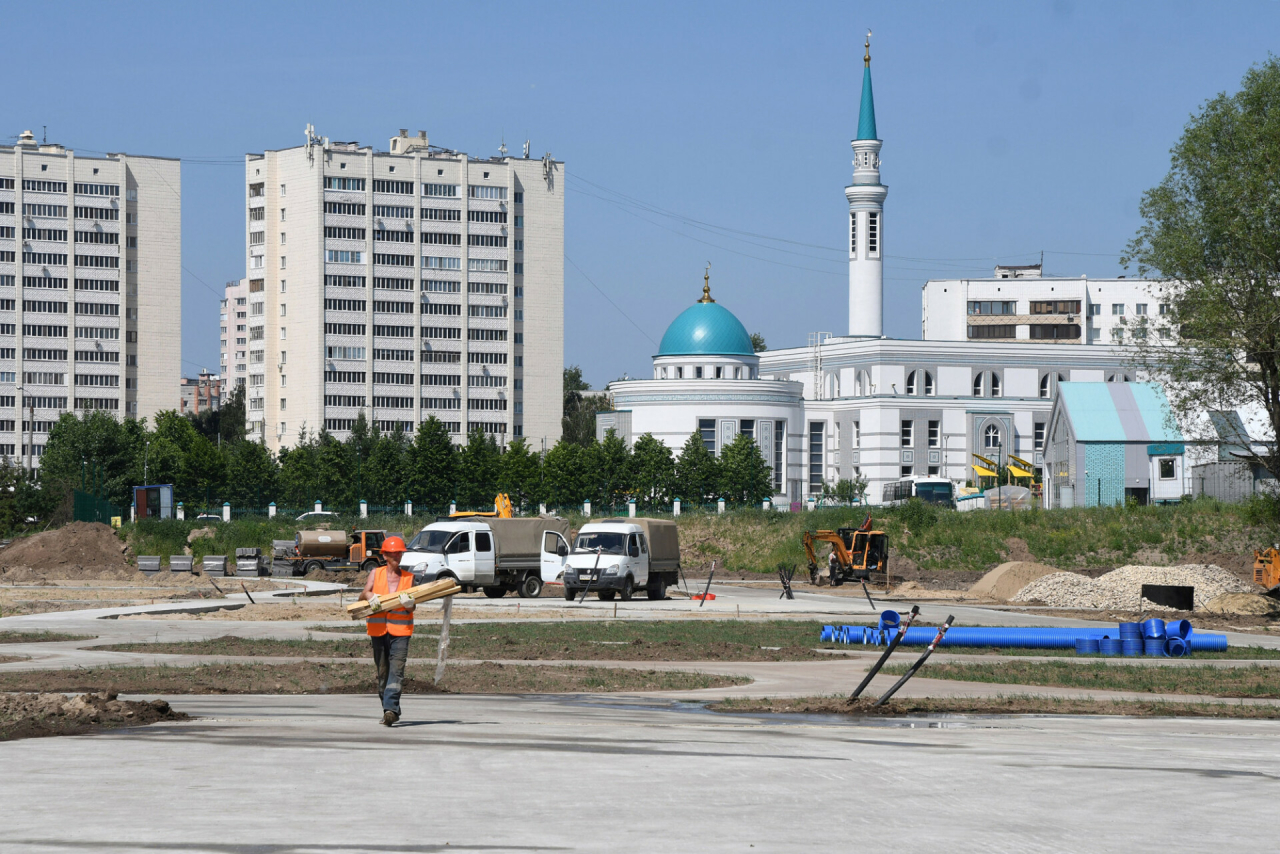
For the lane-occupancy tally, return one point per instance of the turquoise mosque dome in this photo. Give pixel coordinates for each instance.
(706, 328)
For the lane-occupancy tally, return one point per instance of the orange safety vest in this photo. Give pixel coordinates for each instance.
(396, 621)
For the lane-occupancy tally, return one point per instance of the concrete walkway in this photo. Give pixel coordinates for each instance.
(294, 775)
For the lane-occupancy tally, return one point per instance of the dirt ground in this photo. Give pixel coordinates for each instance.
(78, 550)
(42, 596)
(42, 714)
(357, 677)
(1202, 621)
(1018, 705)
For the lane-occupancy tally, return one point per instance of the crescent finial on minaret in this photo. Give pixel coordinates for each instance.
(866, 58)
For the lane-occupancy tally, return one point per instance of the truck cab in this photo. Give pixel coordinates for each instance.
(495, 555)
(615, 558)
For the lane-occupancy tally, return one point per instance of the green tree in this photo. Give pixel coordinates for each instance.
(521, 474)
(252, 473)
(653, 472)
(336, 481)
(94, 439)
(1212, 230)
(299, 476)
(434, 465)
(579, 418)
(478, 467)
(563, 481)
(697, 472)
(607, 466)
(388, 470)
(757, 343)
(745, 477)
(231, 417)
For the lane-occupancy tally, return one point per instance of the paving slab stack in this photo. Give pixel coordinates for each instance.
(215, 565)
(150, 564)
(249, 563)
(180, 563)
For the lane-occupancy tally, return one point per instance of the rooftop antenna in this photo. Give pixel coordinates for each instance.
(502, 149)
(526, 149)
(44, 138)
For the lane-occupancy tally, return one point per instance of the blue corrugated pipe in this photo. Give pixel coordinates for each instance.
(890, 621)
(1175, 647)
(1153, 629)
(1177, 629)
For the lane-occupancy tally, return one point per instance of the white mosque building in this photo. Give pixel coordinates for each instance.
(982, 381)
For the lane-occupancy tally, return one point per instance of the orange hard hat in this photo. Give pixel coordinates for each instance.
(395, 545)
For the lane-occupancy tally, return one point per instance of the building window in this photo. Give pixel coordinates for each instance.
(991, 437)
(747, 427)
(679, 372)
(779, 444)
(995, 384)
(1164, 308)
(1039, 436)
(935, 433)
(1001, 330)
(853, 235)
(1140, 309)
(986, 307)
(1168, 468)
(977, 384)
(1054, 331)
(707, 429)
(857, 434)
(928, 384)
(1044, 387)
(906, 472)
(815, 456)
(908, 428)
(873, 235)
(1095, 309)
(1117, 333)
(911, 382)
(1117, 309)
(1055, 306)
(719, 372)
(697, 372)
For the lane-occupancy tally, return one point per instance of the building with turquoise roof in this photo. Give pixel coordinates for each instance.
(1109, 443)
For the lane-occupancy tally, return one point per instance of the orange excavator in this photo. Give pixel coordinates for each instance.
(1266, 570)
(502, 509)
(857, 553)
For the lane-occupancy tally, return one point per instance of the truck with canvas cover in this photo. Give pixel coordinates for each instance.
(616, 557)
(492, 554)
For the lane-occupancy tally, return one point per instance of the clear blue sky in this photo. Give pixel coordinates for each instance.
(1009, 128)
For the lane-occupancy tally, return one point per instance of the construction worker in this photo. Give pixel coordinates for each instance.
(390, 628)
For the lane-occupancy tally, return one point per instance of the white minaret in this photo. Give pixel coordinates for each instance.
(866, 219)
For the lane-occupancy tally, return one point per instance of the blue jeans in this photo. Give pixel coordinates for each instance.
(389, 655)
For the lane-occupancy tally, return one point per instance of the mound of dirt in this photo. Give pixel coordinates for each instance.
(30, 715)
(79, 550)
(1004, 582)
(1250, 604)
(1121, 589)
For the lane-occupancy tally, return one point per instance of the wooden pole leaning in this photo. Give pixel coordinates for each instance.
(442, 651)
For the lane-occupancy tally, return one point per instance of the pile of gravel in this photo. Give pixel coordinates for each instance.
(1121, 589)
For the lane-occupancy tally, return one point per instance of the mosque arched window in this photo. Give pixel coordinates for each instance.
(928, 384)
(991, 437)
(995, 384)
(977, 384)
(911, 382)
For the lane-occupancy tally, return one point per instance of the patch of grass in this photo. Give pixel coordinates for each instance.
(40, 637)
(325, 678)
(1008, 705)
(1202, 679)
(711, 640)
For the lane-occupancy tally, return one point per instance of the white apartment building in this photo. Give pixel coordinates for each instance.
(233, 329)
(1022, 304)
(402, 284)
(90, 287)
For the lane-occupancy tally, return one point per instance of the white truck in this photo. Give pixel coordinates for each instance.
(618, 557)
(491, 554)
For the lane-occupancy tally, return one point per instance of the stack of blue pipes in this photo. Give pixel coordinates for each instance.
(1153, 637)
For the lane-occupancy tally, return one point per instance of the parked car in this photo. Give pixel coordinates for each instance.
(318, 516)
(208, 517)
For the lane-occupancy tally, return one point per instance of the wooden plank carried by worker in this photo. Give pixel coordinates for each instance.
(421, 593)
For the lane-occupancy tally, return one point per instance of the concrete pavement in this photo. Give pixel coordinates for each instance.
(276, 775)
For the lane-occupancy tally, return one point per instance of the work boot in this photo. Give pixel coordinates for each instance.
(389, 717)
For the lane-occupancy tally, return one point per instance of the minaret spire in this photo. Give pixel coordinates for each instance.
(866, 197)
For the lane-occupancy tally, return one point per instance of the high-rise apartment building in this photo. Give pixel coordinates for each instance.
(90, 287)
(233, 340)
(403, 284)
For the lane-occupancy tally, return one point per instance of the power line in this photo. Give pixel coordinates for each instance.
(611, 302)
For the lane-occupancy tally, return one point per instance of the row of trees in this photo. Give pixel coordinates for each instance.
(388, 468)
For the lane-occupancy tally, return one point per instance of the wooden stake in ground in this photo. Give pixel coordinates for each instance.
(442, 651)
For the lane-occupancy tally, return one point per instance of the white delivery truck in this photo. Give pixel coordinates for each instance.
(492, 554)
(618, 557)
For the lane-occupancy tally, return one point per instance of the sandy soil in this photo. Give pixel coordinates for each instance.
(1024, 705)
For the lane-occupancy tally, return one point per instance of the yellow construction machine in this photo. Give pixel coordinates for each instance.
(858, 552)
(1266, 570)
(502, 509)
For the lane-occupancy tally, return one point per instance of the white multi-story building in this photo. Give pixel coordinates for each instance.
(403, 284)
(90, 287)
(233, 341)
(1022, 304)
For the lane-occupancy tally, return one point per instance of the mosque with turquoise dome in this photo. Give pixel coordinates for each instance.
(862, 404)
